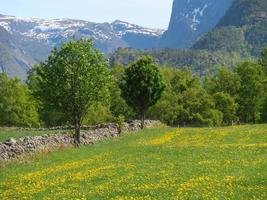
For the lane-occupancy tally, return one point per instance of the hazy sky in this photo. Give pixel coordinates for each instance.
(150, 13)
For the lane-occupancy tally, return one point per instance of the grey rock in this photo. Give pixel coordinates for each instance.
(10, 142)
(12, 148)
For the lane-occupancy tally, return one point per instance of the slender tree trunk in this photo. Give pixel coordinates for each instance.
(143, 120)
(77, 130)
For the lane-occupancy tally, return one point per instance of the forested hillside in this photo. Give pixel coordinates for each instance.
(243, 29)
(200, 62)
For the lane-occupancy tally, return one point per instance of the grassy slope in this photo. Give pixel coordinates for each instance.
(163, 163)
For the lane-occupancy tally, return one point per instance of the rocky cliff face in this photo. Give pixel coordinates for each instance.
(192, 18)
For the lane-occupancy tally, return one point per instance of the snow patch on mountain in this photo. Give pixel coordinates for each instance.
(6, 26)
(124, 27)
(194, 17)
(41, 29)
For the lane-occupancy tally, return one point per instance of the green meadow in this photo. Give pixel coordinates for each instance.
(159, 163)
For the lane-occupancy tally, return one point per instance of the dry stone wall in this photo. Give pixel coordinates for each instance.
(13, 148)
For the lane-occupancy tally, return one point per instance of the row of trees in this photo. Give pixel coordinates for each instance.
(75, 80)
(229, 96)
(75, 86)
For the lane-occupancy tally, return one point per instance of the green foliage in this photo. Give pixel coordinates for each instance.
(226, 105)
(251, 92)
(263, 63)
(216, 40)
(200, 62)
(142, 85)
(120, 122)
(49, 115)
(17, 108)
(72, 79)
(167, 108)
(97, 114)
(244, 12)
(263, 60)
(246, 41)
(199, 108)
(243, 30)
(224, 80)
(185, 102)
(118, 105)
(256, 37)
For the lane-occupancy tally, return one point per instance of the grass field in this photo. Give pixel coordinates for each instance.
(163, 163)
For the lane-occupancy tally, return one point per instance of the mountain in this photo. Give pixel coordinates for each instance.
(244, 12)
(36, 37)
(106, 36)
(190, 19)
(13, 59)
(136, 36)
(243, 29)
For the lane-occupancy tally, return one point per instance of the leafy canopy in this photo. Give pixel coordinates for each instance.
(17, 108)
(142, 85)
(72, 79)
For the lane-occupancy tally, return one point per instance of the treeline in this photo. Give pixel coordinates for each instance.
(199, 62)
(236, 95)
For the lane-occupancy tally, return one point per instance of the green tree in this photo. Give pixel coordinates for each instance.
(199, 108)
(251, 92)
(263, 63)
(167, 109)
(49, 115)
(225, 80)
(142, 85)
(226, 104)
(73, 79)
(97, 114)
(224, 87)
(118, 106)
(17, 107)
(184, 101)
(263, 60)
(168, 106)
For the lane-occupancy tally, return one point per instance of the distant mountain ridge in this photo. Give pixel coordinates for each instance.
(107, 36)
(36, 37)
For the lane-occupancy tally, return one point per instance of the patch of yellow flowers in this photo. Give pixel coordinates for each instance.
(125, 181)
(165, 138)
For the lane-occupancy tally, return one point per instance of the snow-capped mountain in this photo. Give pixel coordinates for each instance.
(46, 30)
(190, 19)
(53, 32)
(50, 33)
(34, 38)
